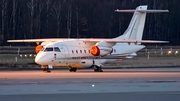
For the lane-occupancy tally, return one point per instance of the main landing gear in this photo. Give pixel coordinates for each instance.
(97, 68)
(71, 69)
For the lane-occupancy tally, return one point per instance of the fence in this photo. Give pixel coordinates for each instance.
(17, 50)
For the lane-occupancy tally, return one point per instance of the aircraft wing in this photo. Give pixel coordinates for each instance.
(124, 41)
(39, 40)
(89, 40)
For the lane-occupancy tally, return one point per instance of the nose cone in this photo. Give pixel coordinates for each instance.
(42, 58)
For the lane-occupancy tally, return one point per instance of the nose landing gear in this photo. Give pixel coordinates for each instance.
(46, 68)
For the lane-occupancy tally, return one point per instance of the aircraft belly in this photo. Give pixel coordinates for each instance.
(78, 63)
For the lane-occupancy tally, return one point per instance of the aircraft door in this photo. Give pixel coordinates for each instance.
(65, 52)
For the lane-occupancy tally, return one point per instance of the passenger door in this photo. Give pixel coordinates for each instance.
(64, 52)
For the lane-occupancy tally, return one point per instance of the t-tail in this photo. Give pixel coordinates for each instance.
(136, 26)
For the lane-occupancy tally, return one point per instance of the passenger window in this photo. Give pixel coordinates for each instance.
(56, 49)
(114, 51)
(84, 51)
(81, 51)
(76, 51)
(72, 51)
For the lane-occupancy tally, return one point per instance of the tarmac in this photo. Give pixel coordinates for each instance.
(144, 84)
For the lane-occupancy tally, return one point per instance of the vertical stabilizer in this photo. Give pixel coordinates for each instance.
(136, 26)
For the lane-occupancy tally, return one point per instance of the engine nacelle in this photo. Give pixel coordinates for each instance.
(38, 48)
(100, 50)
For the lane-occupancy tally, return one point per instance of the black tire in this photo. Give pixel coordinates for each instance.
(99, 69)
(72, 69)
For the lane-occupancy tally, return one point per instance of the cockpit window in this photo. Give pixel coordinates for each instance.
(48, 49)
(56, 49)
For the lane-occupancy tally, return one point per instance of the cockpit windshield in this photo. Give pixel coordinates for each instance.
(56, 49)
(50, 49)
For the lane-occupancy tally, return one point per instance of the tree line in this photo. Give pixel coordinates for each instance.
(25, 19)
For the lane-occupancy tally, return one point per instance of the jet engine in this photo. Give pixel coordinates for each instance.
(100, 50)
(39, 47)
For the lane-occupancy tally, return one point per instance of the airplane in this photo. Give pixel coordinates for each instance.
(93, 52)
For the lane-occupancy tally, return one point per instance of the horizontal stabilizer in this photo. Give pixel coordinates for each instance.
(143, 11)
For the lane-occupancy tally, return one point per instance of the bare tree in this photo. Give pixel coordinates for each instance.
(31, 5)
(15, 2)
(156, 20)
(3, 12)
(48, 3)
(111, 5)
(69, 16)
(56, 12)
(39, 10)
(77, 21)
(85, 18)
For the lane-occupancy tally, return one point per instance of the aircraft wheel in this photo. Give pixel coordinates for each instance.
(72, 69)
(97, 69)
(46, 70)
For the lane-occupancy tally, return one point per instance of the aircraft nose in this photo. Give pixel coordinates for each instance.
(38, 60)
(42, 59)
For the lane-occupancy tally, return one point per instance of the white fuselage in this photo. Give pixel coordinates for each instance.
(76, 53)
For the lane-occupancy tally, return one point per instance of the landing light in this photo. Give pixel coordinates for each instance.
(30, 55)
(176, 52)
(169, 52)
